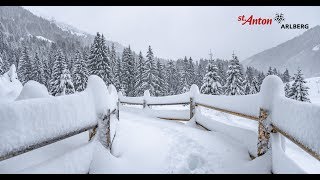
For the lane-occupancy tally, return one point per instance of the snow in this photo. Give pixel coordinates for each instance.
(299, 119)
(231, 126)
(156, 113)
(10, 86)
(35, 120)
(314, 91)
(43, 155)
(172, 147)
(33, 89)
(316, 48)
(68, 163)
(44, 39)
(180, 98)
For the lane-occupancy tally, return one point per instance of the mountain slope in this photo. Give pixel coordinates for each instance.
(301, 51)
(21, 23)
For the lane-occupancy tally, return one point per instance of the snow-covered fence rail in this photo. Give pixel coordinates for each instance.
(276, 114)
(26, 125)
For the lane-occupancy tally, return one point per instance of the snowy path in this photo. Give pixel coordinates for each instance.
(150, 145)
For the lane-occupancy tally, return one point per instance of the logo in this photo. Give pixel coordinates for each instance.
(267, 21)
(279, 18)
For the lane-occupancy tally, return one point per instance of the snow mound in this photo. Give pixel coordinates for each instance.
(316, 48)
(33, 89)
(35, 120)
(10, 86)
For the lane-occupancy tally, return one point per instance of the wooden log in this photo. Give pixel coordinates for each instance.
(202, 126)
(34, 146)
(131, 103)
(176, 119)
(118, 110)
(144, 104)
(229, 112)
(291, 138)
(167, 104)
(263, 133)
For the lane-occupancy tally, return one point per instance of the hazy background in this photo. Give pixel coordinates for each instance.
(175, 32)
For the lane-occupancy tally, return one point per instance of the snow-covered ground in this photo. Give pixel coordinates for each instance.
(314, 91)
(143, 145)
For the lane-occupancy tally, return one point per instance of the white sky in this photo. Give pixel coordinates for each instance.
(178, 31)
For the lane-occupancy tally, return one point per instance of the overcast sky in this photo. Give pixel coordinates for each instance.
(175, 32)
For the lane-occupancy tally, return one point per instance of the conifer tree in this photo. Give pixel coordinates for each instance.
(38, 73)
(286, 76)
(66, 86)
(25, 67)
(58, 68)
(234, 81)
(255, 87)
(99, 62)
(287, 89)
(150, 74)
(80, 72)
(298, 90)
(211, 81)
(140, 68)
(128, 77)
(270, 72)
(173, 79)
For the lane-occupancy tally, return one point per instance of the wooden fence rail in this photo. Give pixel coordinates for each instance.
(263, 132)
(92, 128)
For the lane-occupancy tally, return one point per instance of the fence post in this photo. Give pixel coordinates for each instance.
(144, 104)
(191, 108)
(92, 132)
(264, 128)
(194, 91)
(104, 130)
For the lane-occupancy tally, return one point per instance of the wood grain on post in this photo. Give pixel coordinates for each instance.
(263, 134)
(191, 108)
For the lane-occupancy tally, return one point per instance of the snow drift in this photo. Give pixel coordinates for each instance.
(29, 122)
(10, 86)
(33, 89)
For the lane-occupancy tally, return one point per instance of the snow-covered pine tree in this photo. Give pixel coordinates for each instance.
(38, 73)
(270, 72)
(161, 87)
(298, 90)
(221, 73)
(25, 67)
(191, 72)
(199, 74)
(260, 78)
(287, 89)
(66, 85)
(173, 80)
(99, 62)
(58, 67)
(211, 81)
(185, 75)
(247, 86)
(118, 75)
(234, 81)
(150, 74)
(275, 72)
(286, 76)
(113, 62)
(80, 72)
(128, 78)
(255, 87)
(139, 75)
(249, 74)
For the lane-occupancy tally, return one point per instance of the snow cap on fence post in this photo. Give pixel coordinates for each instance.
(271, 88)
(99, 92)
(146, 96)
(194, 90)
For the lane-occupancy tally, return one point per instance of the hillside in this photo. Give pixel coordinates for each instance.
(301, 51)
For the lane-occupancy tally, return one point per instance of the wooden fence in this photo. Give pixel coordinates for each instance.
(265, 126)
